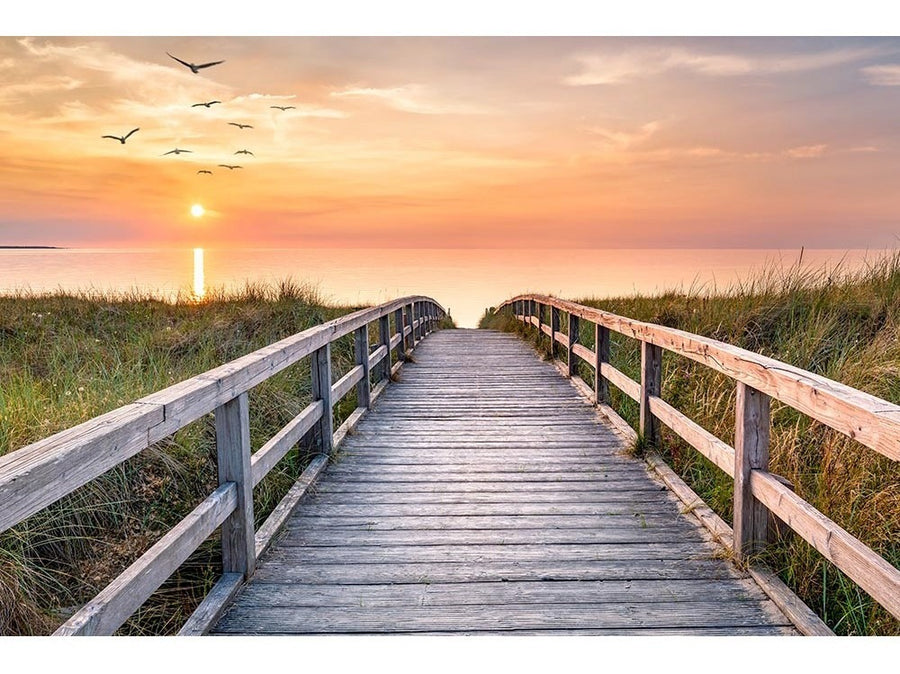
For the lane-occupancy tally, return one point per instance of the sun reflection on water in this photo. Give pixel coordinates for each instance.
(199, 282)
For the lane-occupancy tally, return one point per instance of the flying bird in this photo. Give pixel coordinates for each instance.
(195, 68)
(241, 126)
(245, 152)
(229, 166)
(175, 151)
(283, 107)
(121, 139)
(204, 171)
(211, 103)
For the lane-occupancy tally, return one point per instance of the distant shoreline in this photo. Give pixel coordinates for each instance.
(31, 248)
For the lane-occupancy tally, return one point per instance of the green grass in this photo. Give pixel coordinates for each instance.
(842, 325)
(66, 358)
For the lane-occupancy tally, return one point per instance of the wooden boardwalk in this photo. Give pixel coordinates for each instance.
(482, 494)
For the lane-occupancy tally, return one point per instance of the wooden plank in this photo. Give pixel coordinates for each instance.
(513, 537)
(384, 351)
(866, 418)
(276, 519)
(233, 452)
(320, 370)
(361, 349)
(623, 382)
(717, 451)
(377, 356)
(870, 571)
(345, 384)
(106, 612)
(574, 331)
(751, 452)
(304, 620)
(799, 613)
(490, 571)
(348, 425)
(554, 330)
(267, 456)
(499, 594)
(43, 472)
(210, 609)
(651, 385)
(601, 358)
(584, 353)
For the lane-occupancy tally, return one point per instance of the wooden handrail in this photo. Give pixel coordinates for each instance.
(35, 476)
(866, 418)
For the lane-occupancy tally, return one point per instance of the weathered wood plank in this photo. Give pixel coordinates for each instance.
(35, 476)
(498, 594)
(267, 456)
(276, 519)
(233, 452)
(751, 452)
(871, 572)
(345, 384)
(210, 609)
(303, 620)
(714, 449)
(106, 612)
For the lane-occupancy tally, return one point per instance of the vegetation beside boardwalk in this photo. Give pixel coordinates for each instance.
(842, 325)
(67, 358)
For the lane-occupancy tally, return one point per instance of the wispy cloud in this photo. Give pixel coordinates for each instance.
(415, 98)
(630, 65)
(623, 140)
(806, 151)
(887, 75)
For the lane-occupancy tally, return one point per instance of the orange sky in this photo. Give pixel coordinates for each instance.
(452, 142)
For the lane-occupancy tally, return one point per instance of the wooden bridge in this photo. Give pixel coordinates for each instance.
(485, 491)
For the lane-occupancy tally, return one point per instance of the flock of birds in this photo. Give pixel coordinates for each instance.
(195, 68)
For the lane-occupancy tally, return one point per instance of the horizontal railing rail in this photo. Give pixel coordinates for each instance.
(866, 418)
(38, 475)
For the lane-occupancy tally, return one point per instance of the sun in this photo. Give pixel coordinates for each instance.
(197, 210)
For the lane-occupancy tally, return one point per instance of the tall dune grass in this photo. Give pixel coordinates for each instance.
(844, 325)
(65, 358)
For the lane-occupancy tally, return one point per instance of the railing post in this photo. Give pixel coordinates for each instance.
(398, 322)
(651, 385)
(554, 328)
(320, 365)
(232, 421)
(751, 452)
(384, 337)
(361, 341)
(601, 355)
(407, 321)
(574, 329)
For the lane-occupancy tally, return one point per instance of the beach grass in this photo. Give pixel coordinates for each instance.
(68, 357)
(840, 324)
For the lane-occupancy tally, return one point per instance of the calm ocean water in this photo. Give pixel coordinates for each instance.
(464, 281)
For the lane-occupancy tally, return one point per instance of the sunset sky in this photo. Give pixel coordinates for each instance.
(452, 142)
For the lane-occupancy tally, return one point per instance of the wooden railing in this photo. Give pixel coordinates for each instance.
(870, 420)
(36, 476)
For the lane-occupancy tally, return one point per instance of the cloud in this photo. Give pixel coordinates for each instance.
(415, 98)
(623, 140)
(630, 65)
(16, 93)
(887, 75)
(806, 151)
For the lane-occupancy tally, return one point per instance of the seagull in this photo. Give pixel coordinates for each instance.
(241, 126)
(175, 151)
(283, 107)
(195, 105)
(204, 171)
(229, 166)
(245, 152)
(195, 68)
(121, 139)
